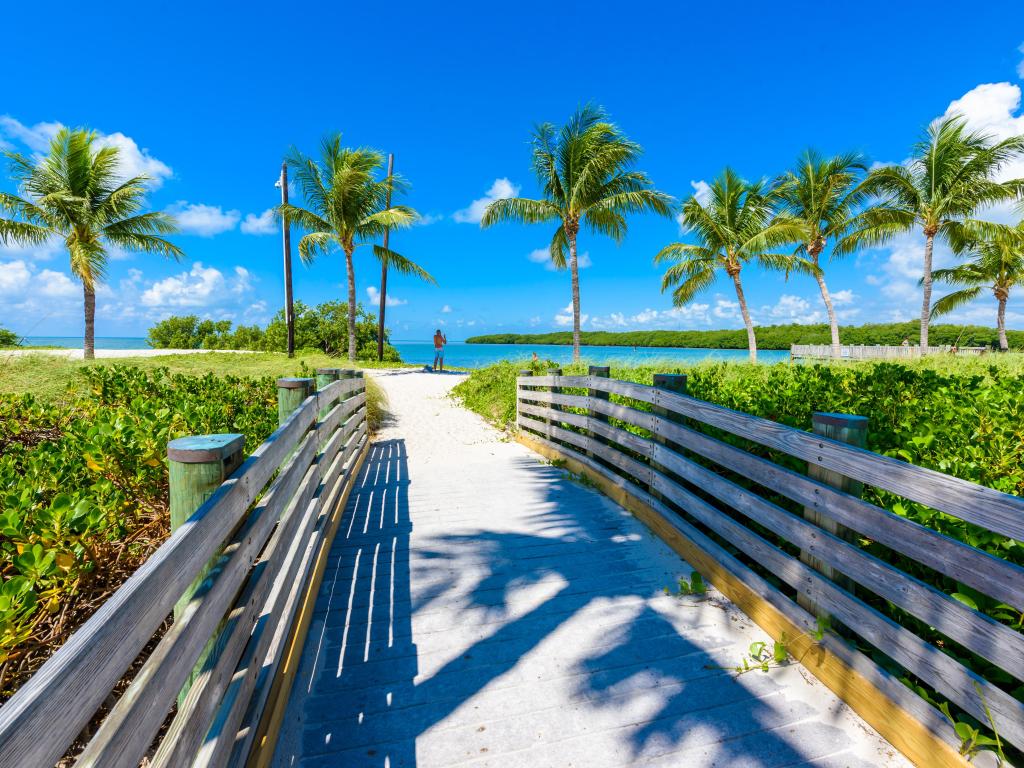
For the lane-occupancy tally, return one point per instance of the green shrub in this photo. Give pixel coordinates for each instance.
(323, 328)
(8, 338)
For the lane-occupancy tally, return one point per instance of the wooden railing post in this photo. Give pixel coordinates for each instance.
(197, 466)
(847, 429)
(524, 372)
(670, 382)
(325, 376)
(603, 372)
(554, 390)
(291, 393)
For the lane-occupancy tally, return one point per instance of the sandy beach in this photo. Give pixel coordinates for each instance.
(79, 354)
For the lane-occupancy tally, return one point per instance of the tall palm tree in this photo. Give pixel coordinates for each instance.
(822, 195)
(997, 263)
(585, 172)
(733, 228)
(345, 207)
(75, 193)
(949, 177)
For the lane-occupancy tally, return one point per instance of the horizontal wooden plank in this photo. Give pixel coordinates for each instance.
(128, 730)
(905, 719)
(552, 381)
(44, 716)
(991, 575)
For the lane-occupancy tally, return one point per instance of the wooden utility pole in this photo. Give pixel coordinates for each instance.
(384, 269)
(289, 309)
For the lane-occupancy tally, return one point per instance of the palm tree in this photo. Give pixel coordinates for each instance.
(998, 263)
(822, 195)
(940, 189)
(734, 227)
(584, 170)
(75, 193)
(346, 206)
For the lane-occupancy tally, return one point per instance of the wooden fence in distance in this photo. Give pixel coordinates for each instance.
(250, 543)
(779, 541)
(876, 352)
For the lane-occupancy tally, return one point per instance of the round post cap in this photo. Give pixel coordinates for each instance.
(204, 449)
(294, 383)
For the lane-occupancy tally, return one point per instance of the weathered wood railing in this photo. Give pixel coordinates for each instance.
(721, 506)
(876, 352)
(245, 554)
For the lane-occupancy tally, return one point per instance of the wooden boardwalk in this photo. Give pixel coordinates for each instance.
(481, 608)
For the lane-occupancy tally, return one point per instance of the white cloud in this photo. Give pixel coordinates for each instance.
(1020, 64)
(426, 219)
(535, 321)
(543, 256)
(789, 309)
(36, 137)
(701, 191)
(726, 309)
(56, 285)
(14, 276)
(472, 214)
(565, 316)
(203, 220)
(133, 161)
(993, 108)
(199, 287)
(260, 224)
(841, 298)
(391, 301)
(446, 309)
(687, 316)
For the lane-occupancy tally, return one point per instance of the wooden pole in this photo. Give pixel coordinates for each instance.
(671, 382)
(197, 466)
(556, 391)
(524, 372)
(290, 395)
(289, 308)
(601, 371)
(325, 376)
(847, 429)
(384, 270)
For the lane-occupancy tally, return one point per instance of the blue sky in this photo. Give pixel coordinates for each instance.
(207, 97)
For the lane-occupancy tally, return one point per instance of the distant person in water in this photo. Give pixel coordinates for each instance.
(439, 341)
(535, 358)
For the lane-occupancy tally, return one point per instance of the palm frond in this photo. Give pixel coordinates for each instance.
(401, 264)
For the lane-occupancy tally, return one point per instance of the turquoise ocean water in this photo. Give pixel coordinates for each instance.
(462, 355)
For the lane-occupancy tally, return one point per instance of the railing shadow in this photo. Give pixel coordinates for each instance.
(642, 686)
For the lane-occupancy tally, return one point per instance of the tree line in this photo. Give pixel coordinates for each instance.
(323, 327)
(835, 205)
(769, 337)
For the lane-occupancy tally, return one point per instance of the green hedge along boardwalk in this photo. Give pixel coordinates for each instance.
(481, 608)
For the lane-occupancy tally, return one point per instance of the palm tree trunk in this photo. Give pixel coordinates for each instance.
(350, 270)
(1004, 345)
(89, 352)
(926, 285)
(833, 324)
(751, 338)
(383, 304)
(575, 273)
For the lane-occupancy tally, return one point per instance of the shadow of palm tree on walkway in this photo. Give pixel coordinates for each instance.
(542, 640)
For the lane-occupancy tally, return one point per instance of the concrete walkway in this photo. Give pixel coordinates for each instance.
(480, 608)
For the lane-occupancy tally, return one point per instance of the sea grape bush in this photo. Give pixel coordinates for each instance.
(84, 496)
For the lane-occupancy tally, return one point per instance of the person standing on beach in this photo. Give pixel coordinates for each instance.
(439, 341)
